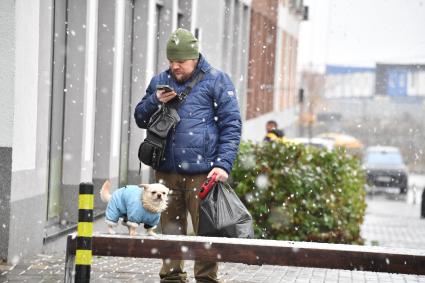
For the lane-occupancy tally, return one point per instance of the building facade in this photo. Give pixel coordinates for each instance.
(72, 73)
(349, 81)
(272, 83)
(392, 80)
(400, 80)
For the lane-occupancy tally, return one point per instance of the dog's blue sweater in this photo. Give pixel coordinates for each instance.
(126, 201)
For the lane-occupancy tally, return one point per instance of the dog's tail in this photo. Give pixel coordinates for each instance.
(105, 194)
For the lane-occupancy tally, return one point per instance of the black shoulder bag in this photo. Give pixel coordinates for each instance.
(152, 149)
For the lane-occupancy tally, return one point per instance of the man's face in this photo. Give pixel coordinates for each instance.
(182, 70)
(270, 126)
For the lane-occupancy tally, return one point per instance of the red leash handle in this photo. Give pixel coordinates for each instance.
(207, 186)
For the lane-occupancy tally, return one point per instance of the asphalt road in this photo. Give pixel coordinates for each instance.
(394, 220)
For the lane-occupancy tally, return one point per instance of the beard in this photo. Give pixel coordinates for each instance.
(181, 78)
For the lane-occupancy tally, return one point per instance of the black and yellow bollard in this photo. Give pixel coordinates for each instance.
(83, 256)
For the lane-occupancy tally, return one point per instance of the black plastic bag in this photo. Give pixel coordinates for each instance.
(222, 214)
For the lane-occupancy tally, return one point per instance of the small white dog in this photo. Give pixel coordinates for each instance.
(134, 204)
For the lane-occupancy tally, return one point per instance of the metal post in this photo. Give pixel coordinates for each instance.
(83, 255)
(301, 99)
(69, 260)
(423, 204)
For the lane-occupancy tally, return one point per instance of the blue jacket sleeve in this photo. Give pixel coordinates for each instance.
(147, 106)
(228, 122)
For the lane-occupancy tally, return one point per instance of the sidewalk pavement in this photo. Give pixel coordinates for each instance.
(381, 227)
(50, 268)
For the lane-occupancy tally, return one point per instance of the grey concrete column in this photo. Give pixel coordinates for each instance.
(23, 151)
(242, 83)
(113, 64)
(127, 114)
(167, 23)
(103, 159)
(79, 102)
(185, 14)
(236, 47)
(144, 30)
(7, 76)
(209, 19)
(229, 25)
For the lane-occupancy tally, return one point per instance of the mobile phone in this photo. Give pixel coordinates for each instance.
(166, 88)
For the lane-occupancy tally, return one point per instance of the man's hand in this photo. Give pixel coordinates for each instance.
(221, 174)
(164, 97)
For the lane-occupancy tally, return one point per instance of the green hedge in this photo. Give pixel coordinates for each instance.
(301, 193)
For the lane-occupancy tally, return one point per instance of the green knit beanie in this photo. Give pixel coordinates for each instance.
(182, 45)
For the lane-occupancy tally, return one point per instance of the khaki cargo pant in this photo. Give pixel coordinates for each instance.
(182, 199)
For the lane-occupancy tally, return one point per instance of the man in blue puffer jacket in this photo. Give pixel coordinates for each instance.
(204, 142)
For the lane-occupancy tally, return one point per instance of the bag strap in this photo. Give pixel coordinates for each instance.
(199, 76)
(180, 98)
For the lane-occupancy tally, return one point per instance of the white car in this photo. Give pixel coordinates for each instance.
(316, 142)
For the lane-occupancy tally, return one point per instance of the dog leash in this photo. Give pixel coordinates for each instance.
(186, 190)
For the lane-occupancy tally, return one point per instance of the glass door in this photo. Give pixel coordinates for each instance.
(57, 109)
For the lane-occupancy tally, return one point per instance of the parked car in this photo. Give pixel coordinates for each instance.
(342, 140)
(315, 142)
(351, 144)
(385, 169)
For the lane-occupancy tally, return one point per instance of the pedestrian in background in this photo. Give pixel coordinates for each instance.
(205, 141)
(272, 132)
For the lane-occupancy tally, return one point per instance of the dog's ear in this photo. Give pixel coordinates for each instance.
(167, 190)
(145, 186)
